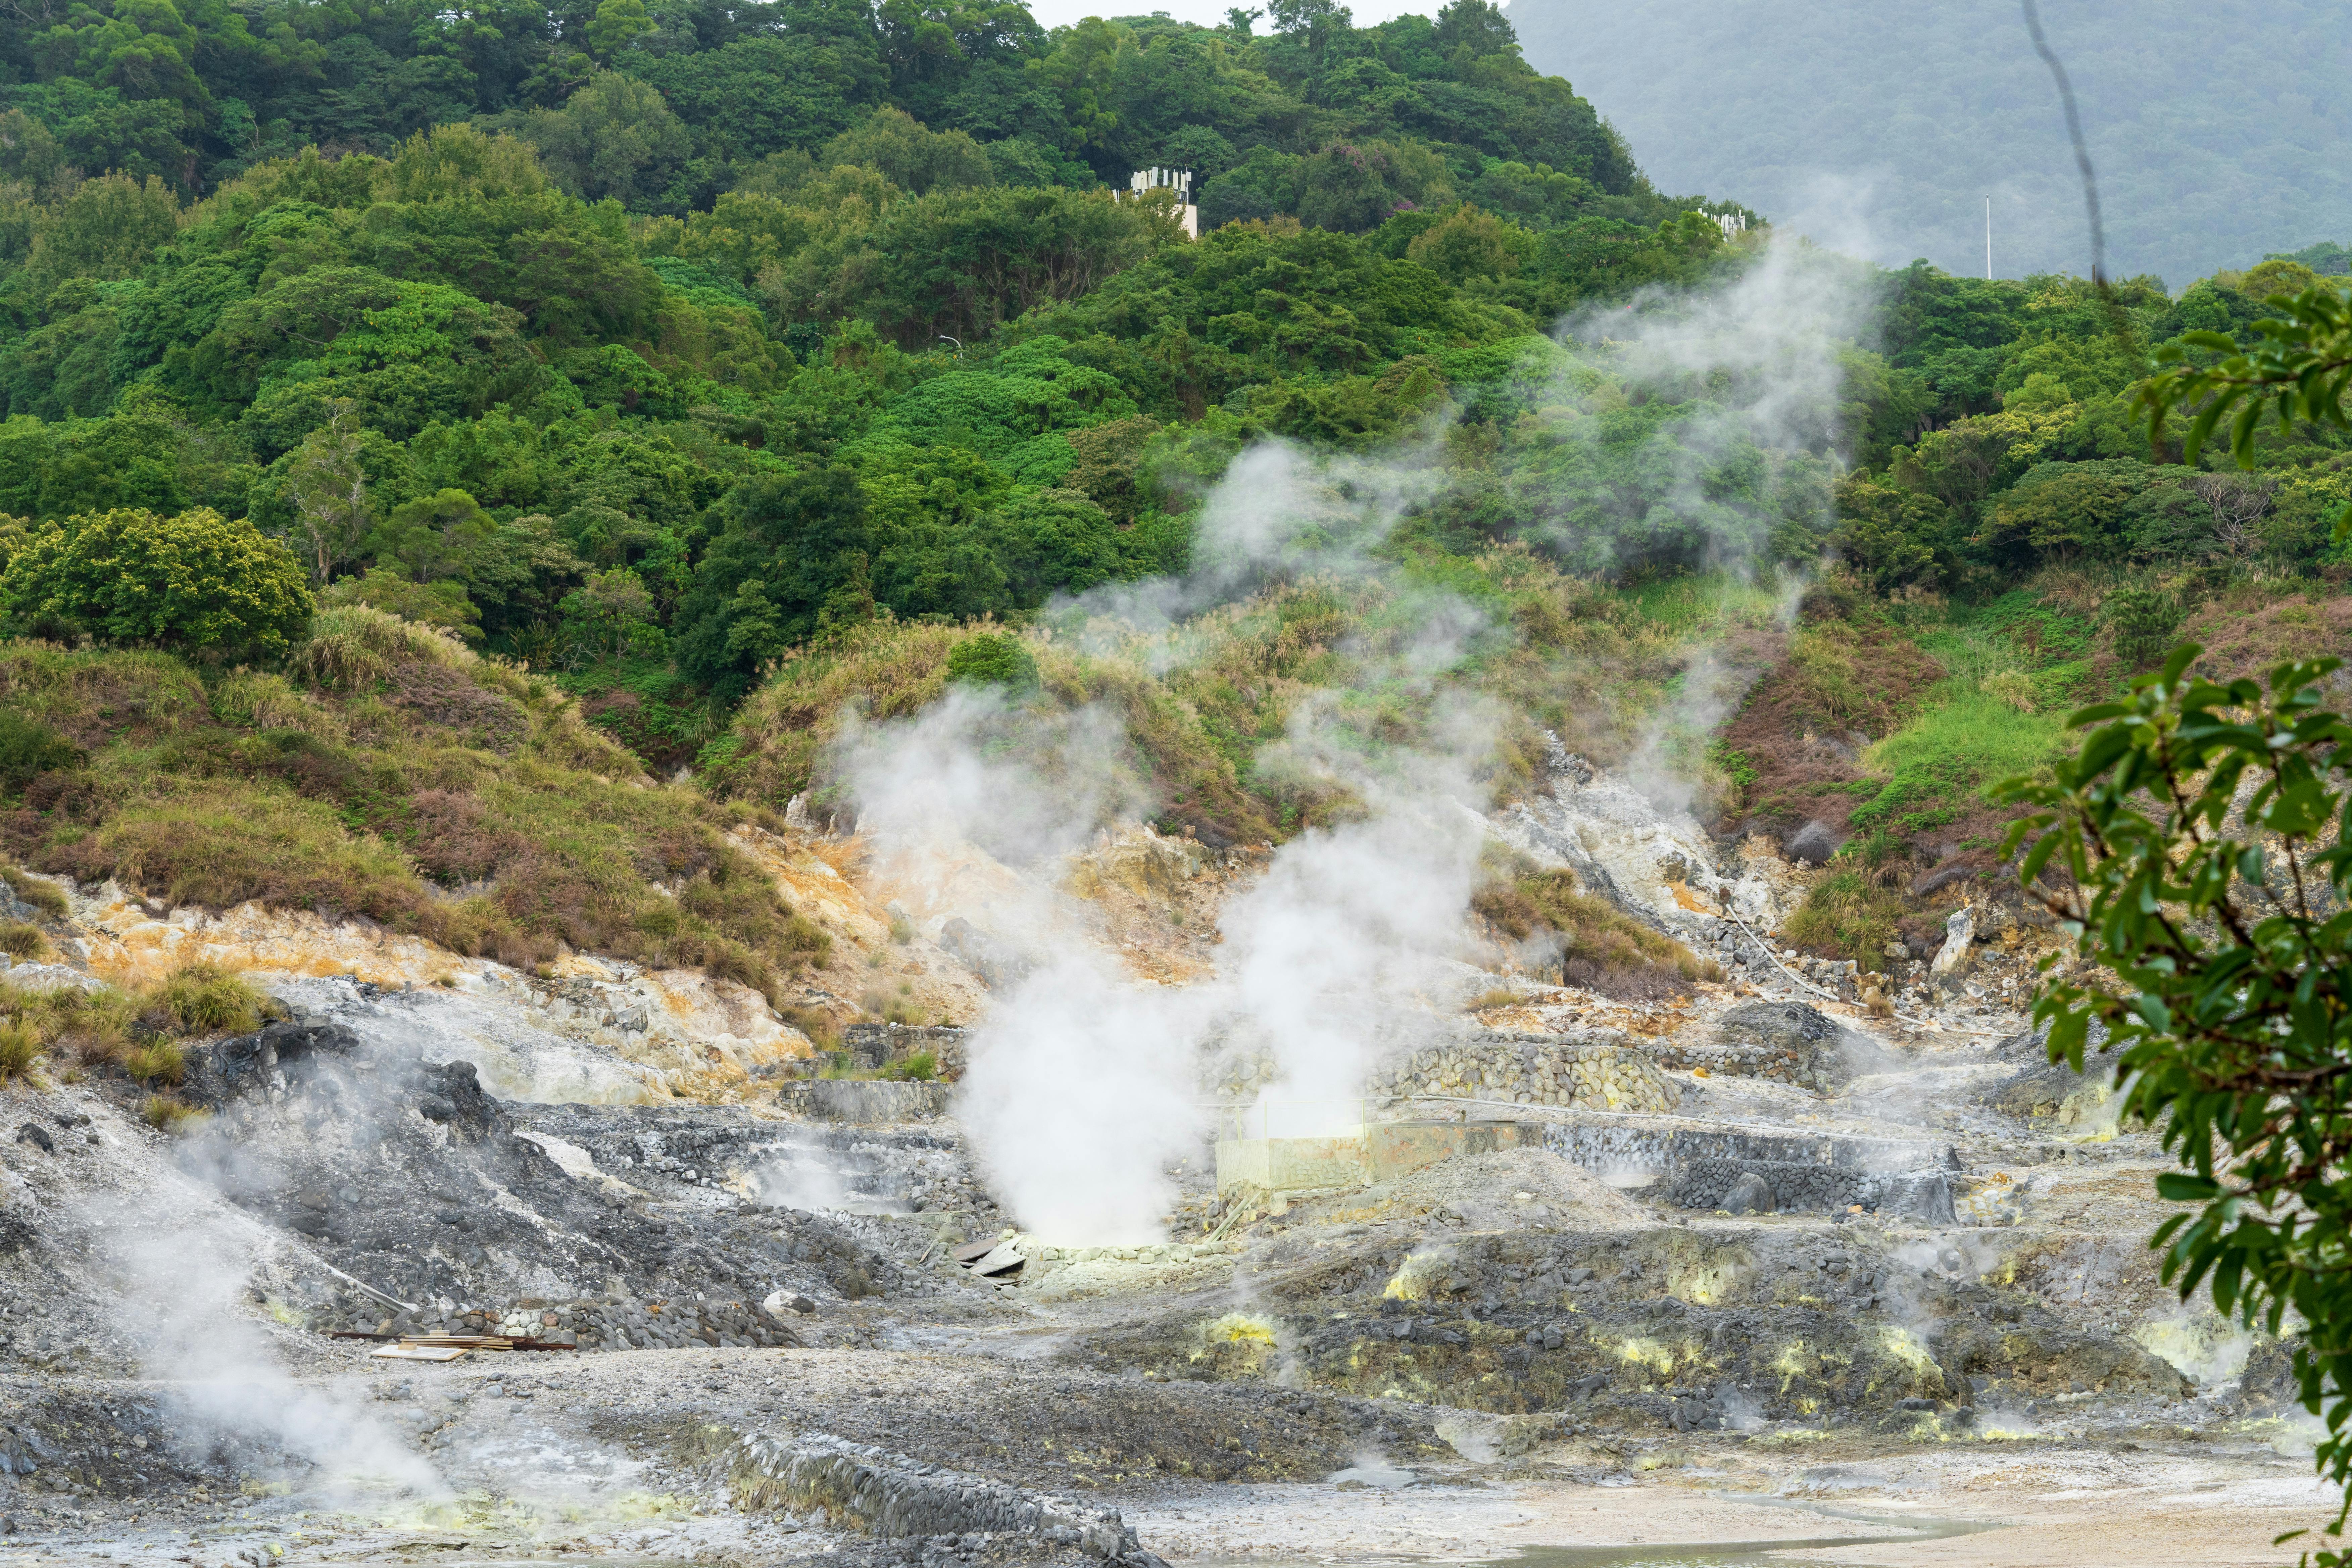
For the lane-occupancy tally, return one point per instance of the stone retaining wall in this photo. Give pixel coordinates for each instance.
(868, 1101)
(1807, 1188)
(1790, 1042)
(587, 1325)
(894, 1498)
(1595, 1071)
(879, 1045)
(1613, 1145)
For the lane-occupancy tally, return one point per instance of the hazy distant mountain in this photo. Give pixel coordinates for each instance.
(2220, 130)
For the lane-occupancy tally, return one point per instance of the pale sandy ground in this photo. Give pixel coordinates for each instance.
(2046, 1509)
(524, 1481)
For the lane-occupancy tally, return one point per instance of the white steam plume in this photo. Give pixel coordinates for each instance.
(1081, 1090)
(179, 1290)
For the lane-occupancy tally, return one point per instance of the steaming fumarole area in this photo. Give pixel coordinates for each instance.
(1748, 1263)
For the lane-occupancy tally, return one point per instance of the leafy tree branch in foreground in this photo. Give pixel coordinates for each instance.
(2198, 848)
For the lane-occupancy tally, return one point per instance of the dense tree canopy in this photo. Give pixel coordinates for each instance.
(650, 341)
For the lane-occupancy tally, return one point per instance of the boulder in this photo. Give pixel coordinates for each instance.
(1822, 1054)
(1789, 1025)
(1958, 932)
(1812, 844)
(1749, 1194)
(997, 965)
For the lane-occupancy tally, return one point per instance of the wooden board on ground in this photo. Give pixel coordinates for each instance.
(421, 1352)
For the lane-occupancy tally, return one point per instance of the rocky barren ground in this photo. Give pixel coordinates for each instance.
(1763, 1268)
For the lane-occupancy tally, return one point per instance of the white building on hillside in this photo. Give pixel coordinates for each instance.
(1177, 180)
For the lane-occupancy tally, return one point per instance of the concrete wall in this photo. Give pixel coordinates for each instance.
(1290, 1165)
(1384, 1149)
(1393, 1148)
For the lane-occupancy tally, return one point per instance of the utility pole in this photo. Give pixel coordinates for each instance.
(1988, 239)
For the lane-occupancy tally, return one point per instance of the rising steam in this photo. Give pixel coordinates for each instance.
(1081, 1089)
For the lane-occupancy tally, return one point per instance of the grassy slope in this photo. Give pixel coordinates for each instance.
(399, 778)
(1924, 838)
(391, 774)
(1206, 710)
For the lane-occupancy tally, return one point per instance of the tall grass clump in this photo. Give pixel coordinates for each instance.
(352, 646)
(38, 891)
(208, 999)
(159, 1061)
(258, 699)
(168, 1113)
(20, 1047)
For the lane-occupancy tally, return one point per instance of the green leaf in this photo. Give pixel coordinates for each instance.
(2179, 1187)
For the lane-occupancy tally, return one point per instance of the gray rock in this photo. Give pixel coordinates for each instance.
(1960, 931)
(1813, 844)
(997, 965)
(1749, 1194)
(1789, 1025)
(35, 1135)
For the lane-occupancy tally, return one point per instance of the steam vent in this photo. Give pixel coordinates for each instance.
(1596, 1244)
(809, 786)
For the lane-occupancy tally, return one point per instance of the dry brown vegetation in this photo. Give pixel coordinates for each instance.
(1601, 947)
(2248, 629)
(1849, 676)
(405, 781)
(1207, 709)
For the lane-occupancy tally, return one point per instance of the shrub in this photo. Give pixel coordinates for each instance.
(19, 940)
(196, 583)
(208, 998)
(921, 1067)
(1852, 912)
(992, 659)
(2142, 623)
(29, 748)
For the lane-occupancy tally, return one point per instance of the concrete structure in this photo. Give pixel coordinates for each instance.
(1177, 180)
(1392, 1148)
(1371, 1153)
(1290, 1165)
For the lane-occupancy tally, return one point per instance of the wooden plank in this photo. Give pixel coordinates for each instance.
(420, 1353)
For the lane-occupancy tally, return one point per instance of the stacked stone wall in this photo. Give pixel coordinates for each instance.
(1591, 1072)
(884, 1495)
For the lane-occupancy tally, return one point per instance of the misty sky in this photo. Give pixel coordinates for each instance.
(2221, 128)
(1208, 13)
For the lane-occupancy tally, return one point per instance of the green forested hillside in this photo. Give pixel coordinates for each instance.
(420, 438)
(2220, 132)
